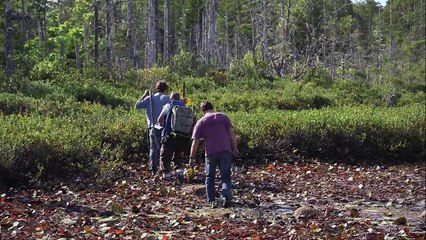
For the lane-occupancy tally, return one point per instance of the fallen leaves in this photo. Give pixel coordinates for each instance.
(347, 202)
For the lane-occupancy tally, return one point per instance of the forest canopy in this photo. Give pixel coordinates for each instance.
(356, 41)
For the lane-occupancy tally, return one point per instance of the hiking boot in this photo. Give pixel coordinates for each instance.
(166, 176)
(180, 175)
(226, 203)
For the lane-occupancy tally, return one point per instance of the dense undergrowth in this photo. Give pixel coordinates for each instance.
(83, 124)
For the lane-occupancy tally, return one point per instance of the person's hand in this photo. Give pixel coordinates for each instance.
(192, 162)
(238, 160)
(235, 153)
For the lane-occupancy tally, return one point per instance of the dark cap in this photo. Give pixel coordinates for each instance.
(175, 96)
(206, 105)
(161, 86)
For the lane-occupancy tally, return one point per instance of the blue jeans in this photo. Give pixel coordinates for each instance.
(154, 149)
(223, 160)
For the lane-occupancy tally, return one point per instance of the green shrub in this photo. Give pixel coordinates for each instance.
(248, 67)
(149, 76)
(359, 132)
(37, 89)
(46, 69)
(15, 104)
(184, 64)
(42, 147)
(93, 95)
(319, 76)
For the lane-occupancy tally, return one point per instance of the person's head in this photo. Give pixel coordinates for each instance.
(161, 86)
(174, 96)
(206, 106)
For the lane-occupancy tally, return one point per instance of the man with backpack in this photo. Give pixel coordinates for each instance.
(153, 104)
(220, 144)
(178, 121)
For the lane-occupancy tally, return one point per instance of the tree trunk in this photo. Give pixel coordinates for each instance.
(199, 36)
(166, 32)
(133, 37)
(205, 28)
(264, 28)
(237, 41)
(86, 45)
(150, 50)
(227, 44)
(108, 32)
(253, 18)
(96, 30)
(24, 20)
(288, 23)
(8, 46)
(77, 55)
(62, 53)
(390, 41)
(333, 43)
(212, 45)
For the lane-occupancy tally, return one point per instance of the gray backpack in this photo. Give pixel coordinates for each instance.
(182, 120)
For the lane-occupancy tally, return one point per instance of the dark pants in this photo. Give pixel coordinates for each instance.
(173, 150)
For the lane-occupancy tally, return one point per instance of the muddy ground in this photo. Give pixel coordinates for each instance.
(299, 200)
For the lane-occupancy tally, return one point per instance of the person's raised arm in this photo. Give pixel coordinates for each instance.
(140, 103)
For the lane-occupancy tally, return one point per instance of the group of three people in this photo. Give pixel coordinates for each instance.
(214, 128)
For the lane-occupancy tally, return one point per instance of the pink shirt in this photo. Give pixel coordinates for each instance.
(213, 127)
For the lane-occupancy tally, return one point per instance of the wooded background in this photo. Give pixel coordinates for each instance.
(284, 37)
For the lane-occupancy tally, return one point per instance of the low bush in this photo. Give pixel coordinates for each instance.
(363, 132)
(43, 147)
(76, 125)
(15, 104)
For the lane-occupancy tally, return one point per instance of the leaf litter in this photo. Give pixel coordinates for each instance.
(298, 200)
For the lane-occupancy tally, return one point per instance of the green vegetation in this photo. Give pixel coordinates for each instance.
(87, 126)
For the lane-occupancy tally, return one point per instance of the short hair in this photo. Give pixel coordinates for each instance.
(161, 86)
(206, 105)
(175, 96)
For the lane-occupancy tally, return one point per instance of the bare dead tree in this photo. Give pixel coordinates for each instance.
(237, 40)
(86, 45)
(199, 33)
(167, 46)
(133, 36)
(108, 32)
(62, 51)
(96, 31)
(253, 18)
(8, 44)
(227, 44)
(151, 43)
(77, 55)
(264, 27)
(212, 44)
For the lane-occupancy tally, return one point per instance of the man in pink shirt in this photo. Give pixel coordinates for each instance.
(216, 129)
